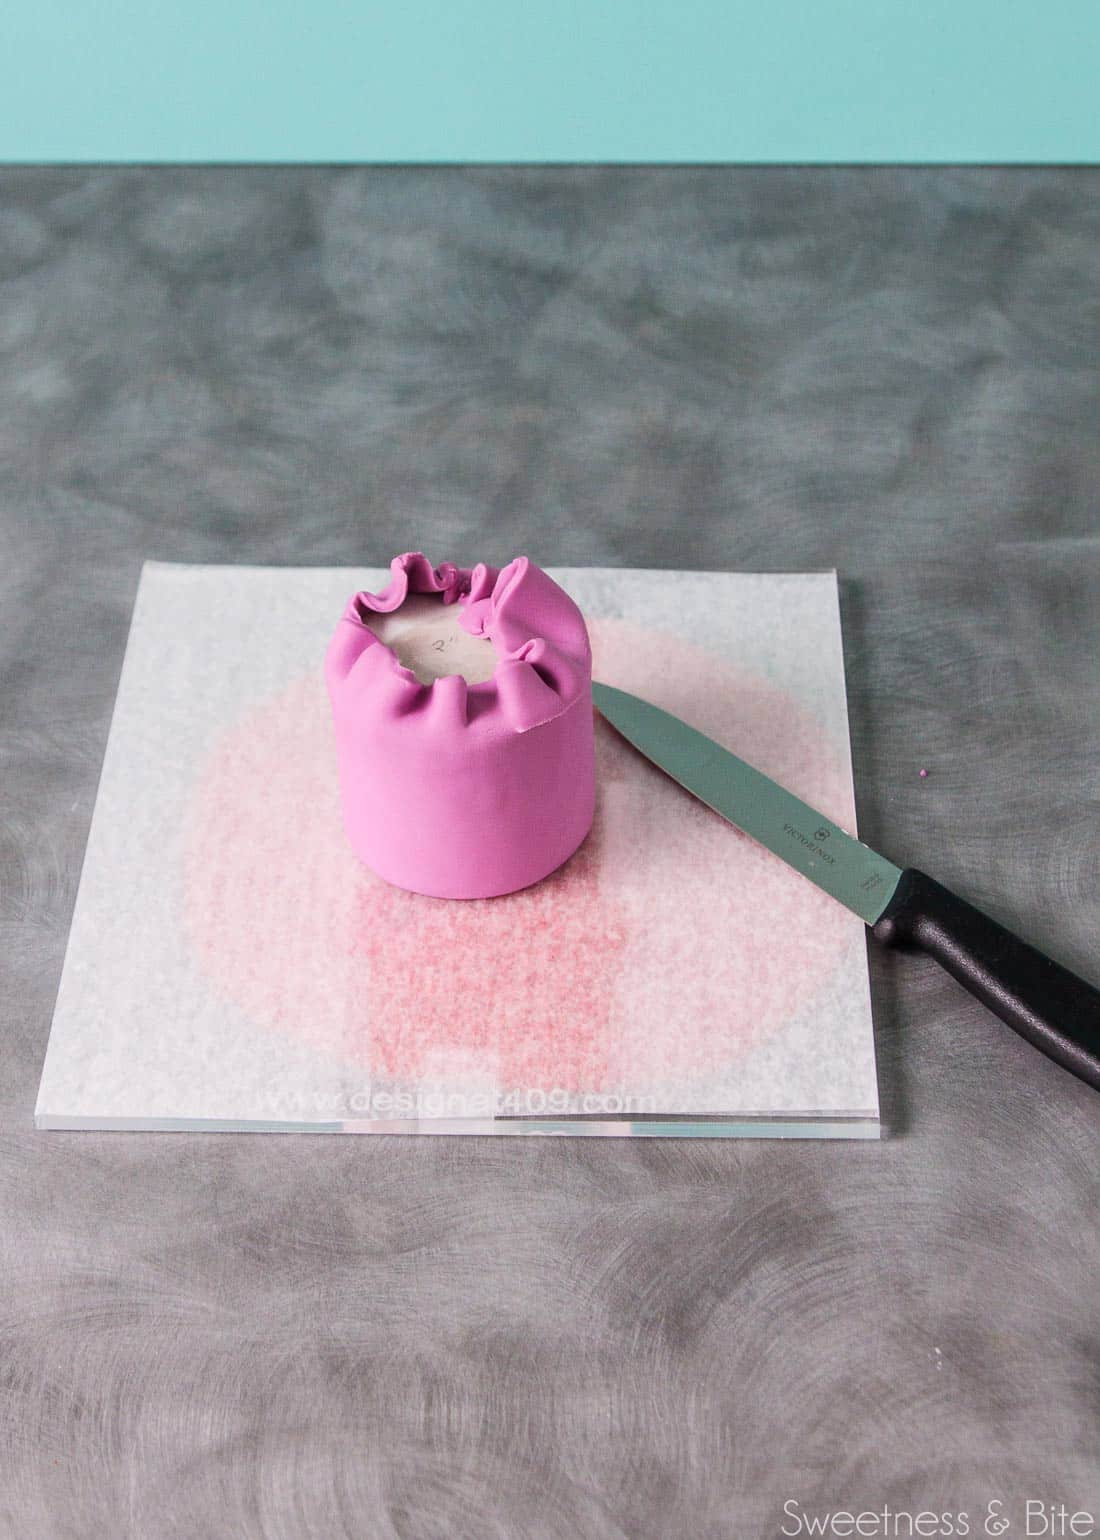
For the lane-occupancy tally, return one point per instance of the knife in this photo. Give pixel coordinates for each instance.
(1046, 1003)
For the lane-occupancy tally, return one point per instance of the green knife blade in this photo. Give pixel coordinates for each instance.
(841, 866)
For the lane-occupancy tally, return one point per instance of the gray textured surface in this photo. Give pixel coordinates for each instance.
(893, 372)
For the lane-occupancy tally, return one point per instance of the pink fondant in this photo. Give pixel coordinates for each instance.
(460, 790)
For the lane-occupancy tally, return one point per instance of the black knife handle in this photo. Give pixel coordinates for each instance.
(1040, 999)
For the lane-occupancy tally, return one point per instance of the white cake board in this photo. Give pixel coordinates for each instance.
(230, 966)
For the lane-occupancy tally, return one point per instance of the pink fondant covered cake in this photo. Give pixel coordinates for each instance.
(462, 706)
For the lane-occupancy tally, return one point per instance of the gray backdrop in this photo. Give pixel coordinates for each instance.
(890, 371)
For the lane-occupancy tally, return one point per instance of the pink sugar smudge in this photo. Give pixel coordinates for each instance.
(659, 953)
(524, 983)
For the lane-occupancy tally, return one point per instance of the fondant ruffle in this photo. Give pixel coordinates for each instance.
(544, 662)
(413, 573)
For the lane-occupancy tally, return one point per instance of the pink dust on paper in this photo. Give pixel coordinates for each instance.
(668, 944)
(287, 924)
(524, 984)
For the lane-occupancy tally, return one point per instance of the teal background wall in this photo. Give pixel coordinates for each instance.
(549, 80)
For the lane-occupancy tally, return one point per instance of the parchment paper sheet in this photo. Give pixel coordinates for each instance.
(231, 966)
